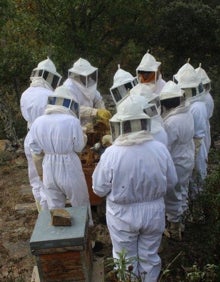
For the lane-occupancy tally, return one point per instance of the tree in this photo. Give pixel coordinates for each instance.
(106, 33)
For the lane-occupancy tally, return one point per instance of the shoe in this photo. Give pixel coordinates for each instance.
(182, 227)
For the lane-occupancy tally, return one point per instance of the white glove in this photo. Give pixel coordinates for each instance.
(197, 142)
(106, 140)
(38, 159)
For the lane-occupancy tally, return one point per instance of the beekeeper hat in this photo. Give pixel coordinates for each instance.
(121, 77)
(203, 75)
(129, 118)
(123, 82)
(142, 89)
(186, 66)
(189, 79)
(129, 109)
(82, 67)
(148, 63)
(63, 97)
(171, 90)
(152, 100)
(47, 70)
(83, 72)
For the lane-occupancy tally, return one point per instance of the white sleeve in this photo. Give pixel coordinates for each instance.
(79, 138)
(173, 195)
(32, 142)
(102, 178)
(171, 175)
(98, 102)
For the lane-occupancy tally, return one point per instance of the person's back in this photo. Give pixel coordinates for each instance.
(137, 176)
(209, 102)
(179, 126)
(191, 83)
(59, 136)
(158, 131)
(138, 172)
(33, 101)
(199, 112)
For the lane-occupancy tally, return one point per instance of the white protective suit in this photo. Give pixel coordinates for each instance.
(210, 109)
(44, 79)
(32, 104)
(159, 84)
(191, 82)
(135, 178)
(199, 112)
(60, 137)
(179, 125)
(207, 98)
(88, 97)
(158, 131)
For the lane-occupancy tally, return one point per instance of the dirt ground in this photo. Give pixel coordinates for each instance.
(18, 218)
(15, 225)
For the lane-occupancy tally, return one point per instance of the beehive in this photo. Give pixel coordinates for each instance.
(89, 160)
(63, 253)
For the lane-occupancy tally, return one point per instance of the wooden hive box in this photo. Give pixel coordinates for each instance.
(63, 253)
(93, 198)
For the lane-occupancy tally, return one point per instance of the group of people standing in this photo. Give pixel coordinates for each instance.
(160, 138)
(56, 117)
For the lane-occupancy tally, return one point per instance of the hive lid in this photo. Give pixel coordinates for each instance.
(46, 236)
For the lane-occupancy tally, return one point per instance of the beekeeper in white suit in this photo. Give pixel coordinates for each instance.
(148, 72)
(179, 125)
(209, 102)
(190, 82)
(152, 108)
(59, 137)
(44, 79)
(82, 82)
(123, 82)
(135, 174)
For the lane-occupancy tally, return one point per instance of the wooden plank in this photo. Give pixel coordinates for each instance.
(62, 267)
